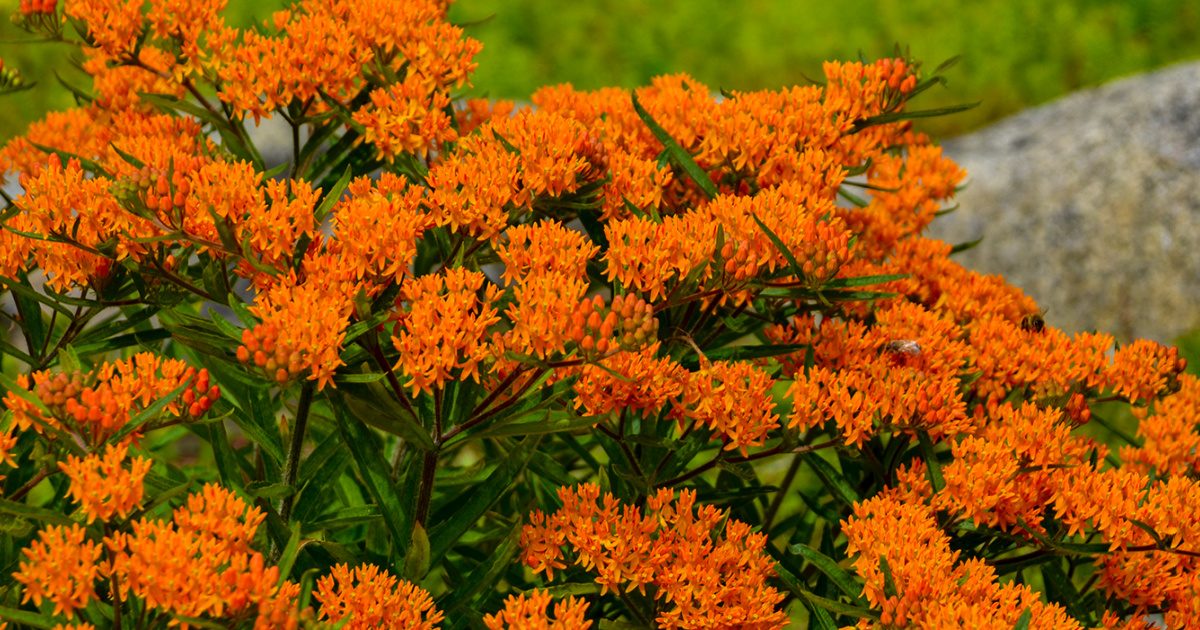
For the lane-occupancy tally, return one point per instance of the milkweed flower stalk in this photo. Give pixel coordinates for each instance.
(645, 357)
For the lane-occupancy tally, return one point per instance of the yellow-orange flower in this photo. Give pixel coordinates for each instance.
(61, 566)
(443, 331)
(733, 400)
(103, 486)
(99, 403)
(528, 611)
(368, 597)
(200, 563)
(703, 580)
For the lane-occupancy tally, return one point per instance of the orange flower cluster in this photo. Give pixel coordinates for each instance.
(102, 485)
(900, 542)
(902, 373)
(30, 7)
(1008, 471)
(97, 404)
(626, 324)
(733, 399)
(1171, 443)
(200, 564)
(443, 334)
(706, 580)
(635, 381)
(368, 597)
(528, 611)
(61, 566)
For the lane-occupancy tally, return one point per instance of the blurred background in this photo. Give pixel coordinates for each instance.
(1015, 53)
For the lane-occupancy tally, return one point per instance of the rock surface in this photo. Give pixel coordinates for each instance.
(1091, 204)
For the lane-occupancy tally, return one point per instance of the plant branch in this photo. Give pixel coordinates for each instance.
(291, 467)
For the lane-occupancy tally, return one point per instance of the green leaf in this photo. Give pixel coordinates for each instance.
(26, 618)
(21, 288)
(933, 468)
(793, 264)
(376, 406)
(545, 422)
(332, 197)
(30, 311)
(818, 617)
(962, 247)
(416, 557)
(43, 515)
(1059, 589)
(793, 584)
(475, 501)
(1023, 620)
(66, 156)
(1142, 525)
(346, 517)
(266, 490)
(287, 558)
(892, 117)
(889, 582)
(486, 574)
(149, 413)
(840, 577)
(373, 471)
(676, 153)
(741, 353)
(833, 480)
(862, 281)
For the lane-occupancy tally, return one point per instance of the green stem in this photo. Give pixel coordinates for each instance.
(777, 501)
(291, 467)
(425, 491)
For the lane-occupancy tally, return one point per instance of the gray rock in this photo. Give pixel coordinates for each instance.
(1091, 204)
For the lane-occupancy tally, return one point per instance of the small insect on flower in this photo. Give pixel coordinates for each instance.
(904, 346)
(1033, 322)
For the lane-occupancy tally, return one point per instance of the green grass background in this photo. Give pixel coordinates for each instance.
(1015, 53)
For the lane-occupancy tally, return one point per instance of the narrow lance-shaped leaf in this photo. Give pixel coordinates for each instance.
(676, 153)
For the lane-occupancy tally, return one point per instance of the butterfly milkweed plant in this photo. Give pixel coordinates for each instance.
(651, 358)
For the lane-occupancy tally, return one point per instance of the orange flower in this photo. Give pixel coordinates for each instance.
(377, 228)
(471, 188)
(102, 485)
(546, 247)
(732, 399)
(627, 324)
(372, 598)
(528, 611)
(304, 318)
(61, 566)
(707, 581)
(1011, 469)
(540, 313)
(100, 403)
(200, 563)
(933, 589)
(406, 118)
(442, 333)
(637, 381)
(1172, 443)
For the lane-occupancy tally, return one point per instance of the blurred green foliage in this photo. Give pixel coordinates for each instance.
(1015, 53)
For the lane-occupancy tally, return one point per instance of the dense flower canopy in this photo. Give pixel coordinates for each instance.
(457, 356)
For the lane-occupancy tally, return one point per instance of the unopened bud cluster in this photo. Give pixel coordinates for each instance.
(199, 398)
(10, 79)
(159, 192)
(898, 75)
(38, 7)
(627, 324)
(1077, 409)
(261, 347)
